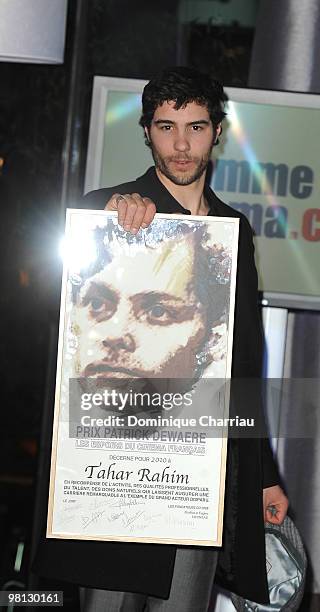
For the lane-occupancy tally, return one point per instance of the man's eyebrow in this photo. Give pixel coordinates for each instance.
(170, 122)
(152, 297)
(201, 121)
(97, 288)
(158, 121)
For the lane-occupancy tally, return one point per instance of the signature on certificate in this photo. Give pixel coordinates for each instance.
(93, 518)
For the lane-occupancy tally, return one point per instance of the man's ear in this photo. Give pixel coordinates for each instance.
(218, 131)
(146, 134)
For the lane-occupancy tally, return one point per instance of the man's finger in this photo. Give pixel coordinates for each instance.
(131, 209)
(122, 209)
(139, 213)
(118, 202)
(150, 211)
(275, 515)
(146, 209)
(112, 204)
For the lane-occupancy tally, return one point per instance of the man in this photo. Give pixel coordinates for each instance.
(181, 118)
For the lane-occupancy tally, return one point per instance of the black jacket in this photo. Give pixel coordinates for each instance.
(147, 568)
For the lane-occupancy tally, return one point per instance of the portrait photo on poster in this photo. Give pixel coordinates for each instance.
(144, 360)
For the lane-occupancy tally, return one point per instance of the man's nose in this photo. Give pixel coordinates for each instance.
(181, 142)
(118, 343)
(118, 333)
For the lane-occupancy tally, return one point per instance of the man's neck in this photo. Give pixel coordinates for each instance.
(190, 196)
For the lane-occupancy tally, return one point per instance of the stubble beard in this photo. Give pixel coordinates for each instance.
(162, 163)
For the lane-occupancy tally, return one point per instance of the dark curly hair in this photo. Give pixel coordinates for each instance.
(183, 85)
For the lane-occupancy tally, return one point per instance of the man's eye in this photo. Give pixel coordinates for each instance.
(157, 311)
(197, 128)
(159, 314)
(166, 128)
(97, 304)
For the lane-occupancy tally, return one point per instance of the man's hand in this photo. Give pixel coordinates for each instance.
(275, 505)
(133, 211)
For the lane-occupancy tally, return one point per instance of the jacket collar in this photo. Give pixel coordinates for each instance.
(166, 202)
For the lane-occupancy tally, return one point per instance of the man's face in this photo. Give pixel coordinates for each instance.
(181, 141)
(139, 317)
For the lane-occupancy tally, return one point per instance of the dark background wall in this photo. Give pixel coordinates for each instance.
(44, 119)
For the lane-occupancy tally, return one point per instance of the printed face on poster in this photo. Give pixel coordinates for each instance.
(144, 355)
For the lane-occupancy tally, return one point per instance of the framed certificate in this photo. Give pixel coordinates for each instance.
(142, 394)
